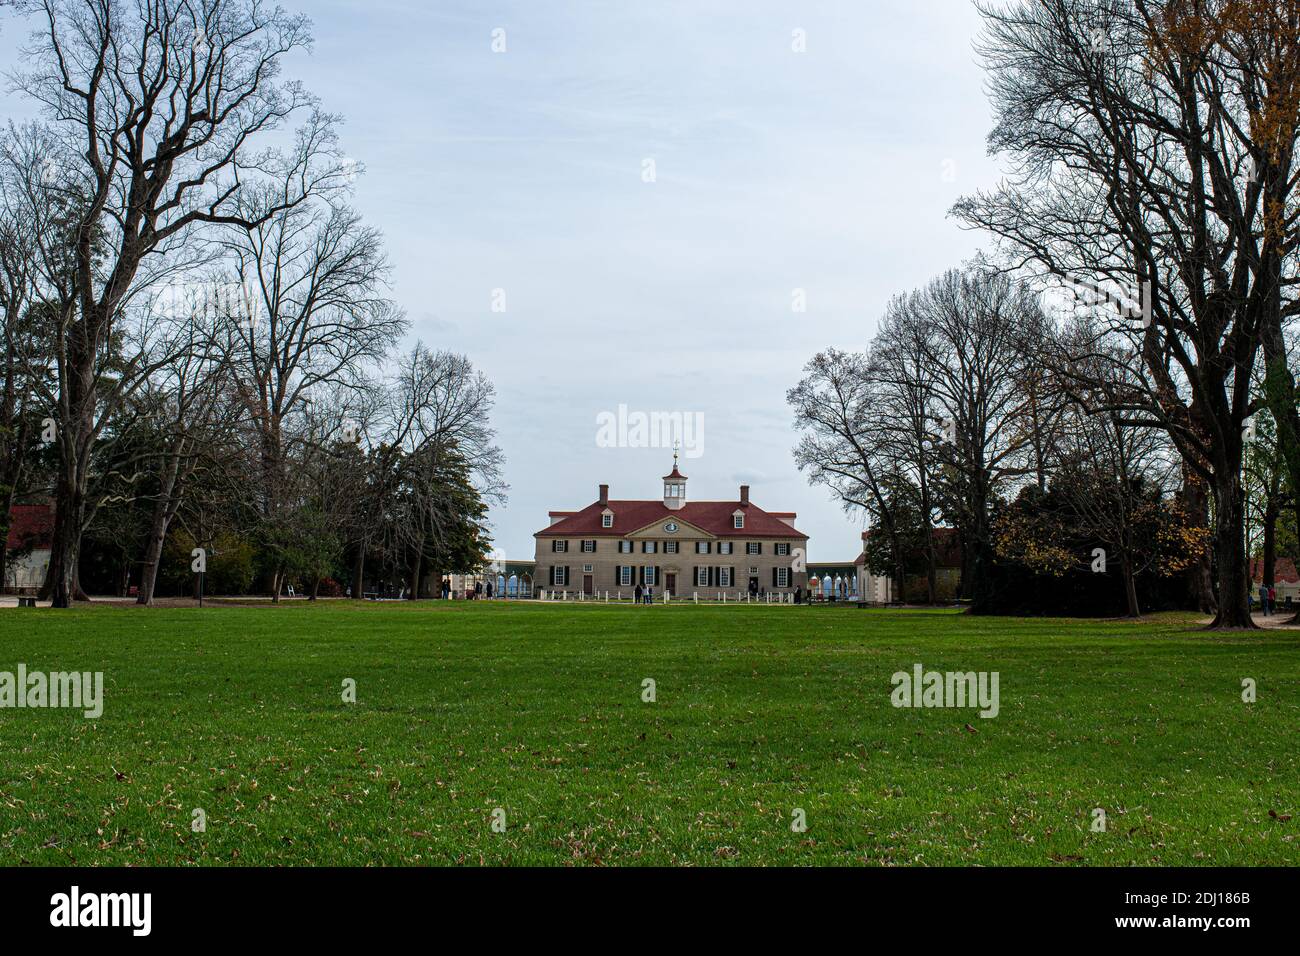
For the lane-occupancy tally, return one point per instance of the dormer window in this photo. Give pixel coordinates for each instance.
(607, 520)
(738, 521)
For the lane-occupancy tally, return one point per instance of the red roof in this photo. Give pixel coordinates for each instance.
(715, 517)
(675, 474)
(30, 526)
(1284, 571)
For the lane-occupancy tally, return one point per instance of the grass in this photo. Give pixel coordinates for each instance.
(537, 709)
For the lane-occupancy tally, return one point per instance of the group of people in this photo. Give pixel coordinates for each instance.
(480, 590)
(646, 594)
(1267, 599)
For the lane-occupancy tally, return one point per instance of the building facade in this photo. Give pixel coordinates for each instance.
(883, 589)
(833, 581)
(672, 544)
(30, 531)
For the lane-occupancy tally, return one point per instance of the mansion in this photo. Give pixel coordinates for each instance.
(671, 545)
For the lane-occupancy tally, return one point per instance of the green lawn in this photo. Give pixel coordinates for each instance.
(537, 709)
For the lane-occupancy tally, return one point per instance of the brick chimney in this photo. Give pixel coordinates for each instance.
(604, 495)
(744, 495)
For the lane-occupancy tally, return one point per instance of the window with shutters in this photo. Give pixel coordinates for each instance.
(559, 546)
(724, 547)
(650, 576)
(783, 547)
(782, 577)
(670, 547)
(625, 547)
(625, 577)
(649, 547)
(753, 547)
(560, 577)
(588, 547)
(701, 547)
(701, 577)
(724, 577)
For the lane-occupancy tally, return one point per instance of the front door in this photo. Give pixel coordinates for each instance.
(587, 584)
(670, 583)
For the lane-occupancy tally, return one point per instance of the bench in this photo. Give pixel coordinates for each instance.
(26, 601)
(371, 595)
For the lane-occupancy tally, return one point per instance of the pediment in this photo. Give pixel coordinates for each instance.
(658, 530)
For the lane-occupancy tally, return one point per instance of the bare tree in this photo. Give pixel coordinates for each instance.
(442, 421)
(27, 210)
(188, 401)
(1152, 143)
(840, 408)
(316, 316)
(977, 333)
(160, 107)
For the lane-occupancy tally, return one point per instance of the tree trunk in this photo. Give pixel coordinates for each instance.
(1269, 568)
(359, 572)
(1130, 590)
(900, 572)
(60, 587)
(1280, 391)
(1230, 556)
(416, 566)
(980, 584)
(931, 566)
(163, 512)
(10, 483)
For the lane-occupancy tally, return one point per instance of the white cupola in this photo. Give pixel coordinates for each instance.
(674, 488)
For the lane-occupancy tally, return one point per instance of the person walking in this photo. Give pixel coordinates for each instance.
(1263, 599)
(478, 590)
(489, 590)
(446, 589)
(1272, 598)
(638, 592)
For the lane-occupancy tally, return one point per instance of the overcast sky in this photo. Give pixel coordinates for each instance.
(829, 171)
